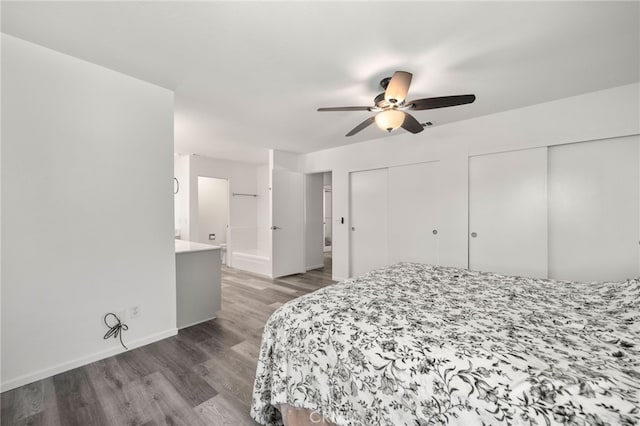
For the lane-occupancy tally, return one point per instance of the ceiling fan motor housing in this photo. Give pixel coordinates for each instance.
(384, 83)
(382, 103)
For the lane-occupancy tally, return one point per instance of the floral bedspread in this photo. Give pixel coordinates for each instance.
(413, 344)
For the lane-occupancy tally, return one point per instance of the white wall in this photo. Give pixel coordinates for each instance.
(242, 178)
(284, 160)
(212, 210)
(592, 116)
(313, 221)
(87, 218)
(263, 213)
(326, 178)
(181, 199)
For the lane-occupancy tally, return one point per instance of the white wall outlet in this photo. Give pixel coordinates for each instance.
(134, 312)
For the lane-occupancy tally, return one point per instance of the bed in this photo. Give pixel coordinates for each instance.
(414, 344)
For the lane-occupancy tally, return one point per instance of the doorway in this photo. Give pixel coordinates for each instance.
(318, 221)
(326, 208)
(213, 213)
(327, 223)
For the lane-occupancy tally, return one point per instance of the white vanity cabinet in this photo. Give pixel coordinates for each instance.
(197, 282)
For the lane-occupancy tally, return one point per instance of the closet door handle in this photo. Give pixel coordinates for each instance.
(474, 234)
(273, 228)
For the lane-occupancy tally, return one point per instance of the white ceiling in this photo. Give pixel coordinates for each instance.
(249, 76)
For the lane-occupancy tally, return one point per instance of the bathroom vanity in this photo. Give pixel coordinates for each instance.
(197, 282)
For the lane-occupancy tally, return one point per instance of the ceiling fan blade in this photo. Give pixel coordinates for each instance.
(440, 102)
(398, 87)
(366, 123)
(411, 124)
(353, 108)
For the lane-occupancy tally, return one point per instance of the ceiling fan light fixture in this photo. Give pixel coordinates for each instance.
(392, 104)
(389, 120)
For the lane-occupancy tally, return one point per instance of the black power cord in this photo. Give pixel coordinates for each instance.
(116, 330)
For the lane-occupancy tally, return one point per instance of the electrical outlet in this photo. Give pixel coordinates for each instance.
(134, 312)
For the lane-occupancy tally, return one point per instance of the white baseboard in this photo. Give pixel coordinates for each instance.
(197, 322)
(338, 278)
(79, 362)
(321, 265)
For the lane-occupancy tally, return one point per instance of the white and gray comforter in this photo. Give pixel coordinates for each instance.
(413, 344)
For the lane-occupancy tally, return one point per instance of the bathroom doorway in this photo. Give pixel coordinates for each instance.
(213, 213)
(326, 208)
(318, 221)
(327, 215)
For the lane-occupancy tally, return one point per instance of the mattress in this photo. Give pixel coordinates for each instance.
(414, 344)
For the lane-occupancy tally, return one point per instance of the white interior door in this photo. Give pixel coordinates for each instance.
(368, 248)
(593, 210)
(508, 212)
(287, 223)
(414, 213)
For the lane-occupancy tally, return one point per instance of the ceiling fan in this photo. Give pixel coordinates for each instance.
(392, 104)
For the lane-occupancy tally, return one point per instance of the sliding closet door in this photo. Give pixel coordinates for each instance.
(593, 210)
(368, 246)
(508, 212)
(414, 213)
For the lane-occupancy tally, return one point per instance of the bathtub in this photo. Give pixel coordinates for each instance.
(251, 260)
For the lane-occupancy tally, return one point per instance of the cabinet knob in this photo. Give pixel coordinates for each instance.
(434, 232)
(474, 234)
(353, 228)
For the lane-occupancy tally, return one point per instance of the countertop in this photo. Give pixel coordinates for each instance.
(183, 246)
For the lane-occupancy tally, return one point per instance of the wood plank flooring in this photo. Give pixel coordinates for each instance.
(202, 376)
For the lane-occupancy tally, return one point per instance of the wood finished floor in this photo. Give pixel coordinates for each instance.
(202, 376)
